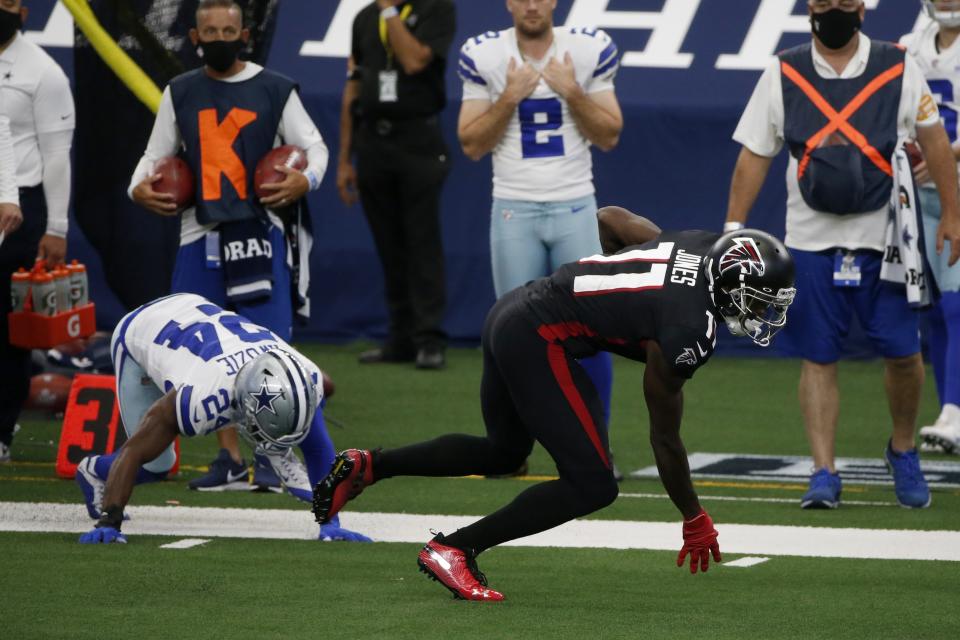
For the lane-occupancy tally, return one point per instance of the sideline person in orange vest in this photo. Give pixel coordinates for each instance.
(842, 104)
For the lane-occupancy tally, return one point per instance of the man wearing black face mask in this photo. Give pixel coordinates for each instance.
(843, 104)
(36, 98)
(222, 119)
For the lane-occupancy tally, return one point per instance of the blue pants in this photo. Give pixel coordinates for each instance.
(530, 240)
(820, 315)
(192, 275)
(136, 393)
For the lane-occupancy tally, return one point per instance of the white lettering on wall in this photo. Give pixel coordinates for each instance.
(773, 19)
(58, 32)
(669, 29)
(336, 43)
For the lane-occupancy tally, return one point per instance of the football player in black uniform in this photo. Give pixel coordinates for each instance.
(653, 297)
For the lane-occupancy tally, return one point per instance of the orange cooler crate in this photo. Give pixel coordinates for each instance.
(30, 330)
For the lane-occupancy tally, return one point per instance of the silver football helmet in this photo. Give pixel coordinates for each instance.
(276, 399)
(945, 12)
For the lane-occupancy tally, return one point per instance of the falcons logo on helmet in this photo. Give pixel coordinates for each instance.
(743, 255)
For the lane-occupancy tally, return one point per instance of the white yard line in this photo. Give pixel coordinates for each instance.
(761, 540)
(744, 562)
(186, 543)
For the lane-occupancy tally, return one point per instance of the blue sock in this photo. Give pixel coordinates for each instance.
(144, 476)
(950, 392)
(937, 345)
(600, 370)
(102, 468)
(317, 448)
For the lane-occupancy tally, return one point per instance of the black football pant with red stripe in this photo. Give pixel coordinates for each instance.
(531, 390)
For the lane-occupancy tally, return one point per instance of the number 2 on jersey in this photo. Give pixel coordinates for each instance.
(943, 91)
(538, 117)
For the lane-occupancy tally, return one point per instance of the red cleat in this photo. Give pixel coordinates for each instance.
(352, 471)
(456, 570)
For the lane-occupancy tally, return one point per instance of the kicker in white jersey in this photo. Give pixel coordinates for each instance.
(941, 68)
(542, 156)
(185, 342)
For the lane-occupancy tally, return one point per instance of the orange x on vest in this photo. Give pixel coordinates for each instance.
(217, 156)
(840, 121)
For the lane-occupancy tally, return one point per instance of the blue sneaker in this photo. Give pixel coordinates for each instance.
(908, 481)
(824, 491)
(91, 485)
(223, 475)
(264, 477)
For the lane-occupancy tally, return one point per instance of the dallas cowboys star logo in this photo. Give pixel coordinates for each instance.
(906, 236)
(265, 399)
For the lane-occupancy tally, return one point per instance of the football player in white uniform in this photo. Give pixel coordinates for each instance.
(936, 48)
(186, 367)
(538, 97)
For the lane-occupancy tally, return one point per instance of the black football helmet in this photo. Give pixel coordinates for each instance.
(751, 277)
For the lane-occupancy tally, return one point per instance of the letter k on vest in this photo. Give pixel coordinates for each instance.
(217, 156)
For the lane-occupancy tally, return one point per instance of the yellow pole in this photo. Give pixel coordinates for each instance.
(116, 58)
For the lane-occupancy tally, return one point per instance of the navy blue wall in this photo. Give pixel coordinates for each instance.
(673, 163)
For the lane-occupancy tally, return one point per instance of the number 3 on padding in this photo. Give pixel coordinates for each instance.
(538, 117)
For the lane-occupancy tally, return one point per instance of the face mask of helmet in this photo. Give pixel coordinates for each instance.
(756, 314)
(276, 401)
(947, 14)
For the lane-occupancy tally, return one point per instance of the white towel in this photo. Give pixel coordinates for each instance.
(904, 258)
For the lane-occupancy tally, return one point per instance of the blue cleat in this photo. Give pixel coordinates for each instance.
(824, 491)
(908, 481)
(223, 475)
(264, 477)
(91, 485)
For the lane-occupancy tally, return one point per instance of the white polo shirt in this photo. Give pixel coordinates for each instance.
(37, 99)
(761, 131)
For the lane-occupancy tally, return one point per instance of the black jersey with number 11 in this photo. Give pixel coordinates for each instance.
(654, 291)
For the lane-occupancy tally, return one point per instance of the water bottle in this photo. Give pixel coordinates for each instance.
(19, 289)
(61, 283)
(44, 293)
(78, 284)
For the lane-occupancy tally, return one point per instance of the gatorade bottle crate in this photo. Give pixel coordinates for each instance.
(30, 330)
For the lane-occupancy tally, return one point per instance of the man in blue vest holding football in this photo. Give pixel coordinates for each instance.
(222, 118)
(843, 104)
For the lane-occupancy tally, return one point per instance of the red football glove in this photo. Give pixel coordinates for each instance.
(699, 540)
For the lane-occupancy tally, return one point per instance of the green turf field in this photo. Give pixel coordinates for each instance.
(55, 588)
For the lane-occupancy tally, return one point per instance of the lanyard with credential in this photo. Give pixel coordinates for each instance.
(404, 14)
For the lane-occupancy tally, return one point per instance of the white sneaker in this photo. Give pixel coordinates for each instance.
(4, 453)
(291, 472)
(946, 436)
(91, 485)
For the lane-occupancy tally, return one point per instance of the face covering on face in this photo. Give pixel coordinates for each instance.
(220, 55)
(9, 25)
(835, 27)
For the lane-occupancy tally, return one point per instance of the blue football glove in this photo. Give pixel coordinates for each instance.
(331, 531)
(103, 535)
